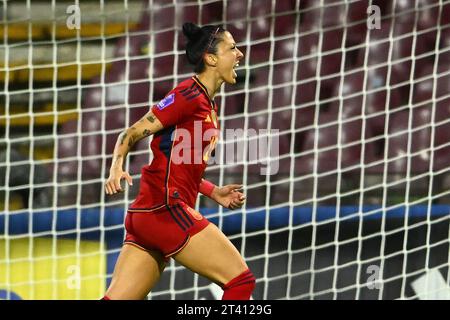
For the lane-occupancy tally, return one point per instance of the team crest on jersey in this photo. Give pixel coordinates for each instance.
(167, 101)
(194, 213)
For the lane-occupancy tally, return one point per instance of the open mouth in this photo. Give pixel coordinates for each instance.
(234, 69)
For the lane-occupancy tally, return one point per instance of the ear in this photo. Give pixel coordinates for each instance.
(211, 59)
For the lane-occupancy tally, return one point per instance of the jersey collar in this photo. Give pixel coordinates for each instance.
(205, 91)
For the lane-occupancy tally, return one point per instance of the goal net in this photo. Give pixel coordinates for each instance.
(338, 128)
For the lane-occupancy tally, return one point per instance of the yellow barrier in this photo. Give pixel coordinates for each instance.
(42, 269)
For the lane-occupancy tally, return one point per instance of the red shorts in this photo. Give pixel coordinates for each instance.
(167, 230)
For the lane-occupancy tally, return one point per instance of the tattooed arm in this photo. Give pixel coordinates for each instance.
(145, 127)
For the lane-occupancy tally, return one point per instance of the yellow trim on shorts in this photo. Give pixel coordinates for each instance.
(179, 249)
(146, 210)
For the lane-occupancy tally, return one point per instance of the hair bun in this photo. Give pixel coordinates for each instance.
(191, 31)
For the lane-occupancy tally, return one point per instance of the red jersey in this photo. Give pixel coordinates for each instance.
(181, 149)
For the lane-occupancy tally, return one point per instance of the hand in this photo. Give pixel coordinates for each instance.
(113, 183)
(228, 196)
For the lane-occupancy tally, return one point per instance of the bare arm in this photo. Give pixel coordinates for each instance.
(145, 127)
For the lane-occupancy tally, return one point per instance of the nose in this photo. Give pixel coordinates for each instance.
(240, 55)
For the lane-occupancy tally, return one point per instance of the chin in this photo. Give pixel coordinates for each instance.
(231, 81)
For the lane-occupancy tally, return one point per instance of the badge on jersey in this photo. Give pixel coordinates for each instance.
(167, 101)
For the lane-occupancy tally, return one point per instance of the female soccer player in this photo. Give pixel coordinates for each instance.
(161, 222)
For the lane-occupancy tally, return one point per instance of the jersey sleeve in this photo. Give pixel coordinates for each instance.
(174, 109)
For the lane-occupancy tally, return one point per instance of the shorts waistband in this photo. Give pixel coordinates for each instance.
(147, 210)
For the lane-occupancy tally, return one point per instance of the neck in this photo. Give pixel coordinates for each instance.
(210, 81)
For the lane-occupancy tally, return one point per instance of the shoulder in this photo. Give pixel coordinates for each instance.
(174, 96)
(188, 90)
(185, 98)
(186, 84)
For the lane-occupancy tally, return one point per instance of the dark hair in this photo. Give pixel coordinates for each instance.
(201, 40)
